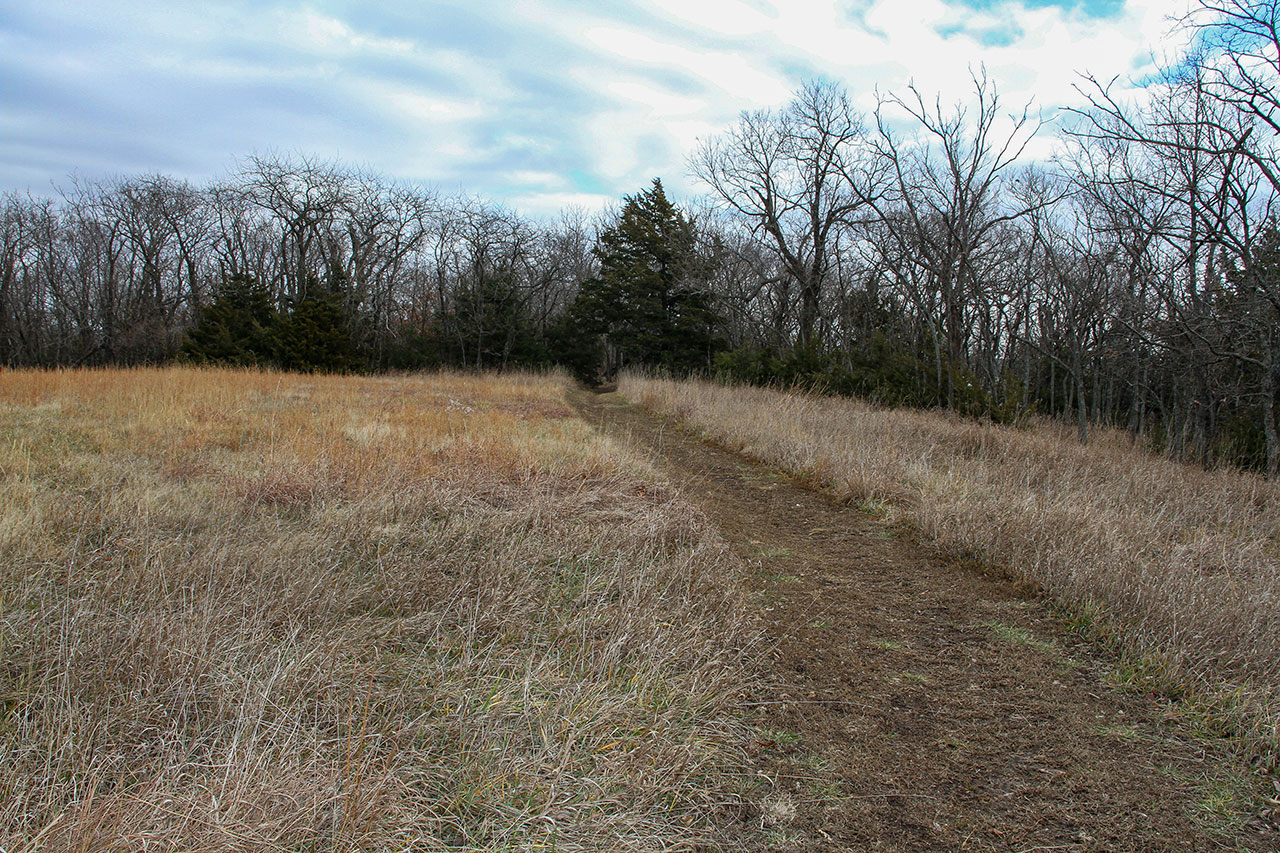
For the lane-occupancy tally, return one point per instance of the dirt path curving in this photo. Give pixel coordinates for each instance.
(923, 705)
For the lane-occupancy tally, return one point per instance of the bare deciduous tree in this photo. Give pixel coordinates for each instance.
(798, 176)
(949, 198)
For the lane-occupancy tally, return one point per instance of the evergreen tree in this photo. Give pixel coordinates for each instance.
(649, 305)
(238, 328)
(318, 334)
(574, 346)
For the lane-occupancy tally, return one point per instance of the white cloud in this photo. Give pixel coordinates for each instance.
(325, 34)
(724, 17)
(548, 204)
(506, 98)
(657, 101)
(729, 72)
(535, 178)
(410, 105)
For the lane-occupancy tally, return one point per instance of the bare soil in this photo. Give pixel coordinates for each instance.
(921, 703)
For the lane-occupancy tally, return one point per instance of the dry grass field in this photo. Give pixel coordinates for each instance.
(1179, 566)
(247, 611)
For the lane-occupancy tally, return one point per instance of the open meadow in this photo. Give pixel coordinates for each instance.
(262, 611)
(1176, 566)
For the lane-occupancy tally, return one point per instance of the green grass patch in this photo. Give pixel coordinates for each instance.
(1016, 636)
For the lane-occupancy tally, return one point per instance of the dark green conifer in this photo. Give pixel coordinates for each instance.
(649, 304)
(318, 334)
(238, 328)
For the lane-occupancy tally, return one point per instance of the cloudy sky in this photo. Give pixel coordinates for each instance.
(536, 103)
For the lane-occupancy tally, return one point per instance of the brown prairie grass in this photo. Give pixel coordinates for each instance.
(1177, 564)
(251, 611)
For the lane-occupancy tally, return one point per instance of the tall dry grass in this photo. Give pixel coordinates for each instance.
(245, 611)
(1185, 562)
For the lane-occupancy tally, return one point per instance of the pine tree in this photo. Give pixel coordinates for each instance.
(318, 333)
(238, 328)
(649, 304)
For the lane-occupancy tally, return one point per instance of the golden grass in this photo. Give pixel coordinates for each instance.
(248, 611)
(1185, 563)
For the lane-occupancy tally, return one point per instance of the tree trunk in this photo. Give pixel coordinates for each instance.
(1082, 407)
(1269, 426)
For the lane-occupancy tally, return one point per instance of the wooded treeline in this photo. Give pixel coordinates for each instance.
(117, 272)
(917, 254)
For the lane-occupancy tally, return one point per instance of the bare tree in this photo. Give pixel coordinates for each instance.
(304, 195)
(798, 177)
(1200, 151)
(948, 199)
(384, 226)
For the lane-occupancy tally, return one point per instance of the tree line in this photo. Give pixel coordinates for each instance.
(917, 254)
(118, 271)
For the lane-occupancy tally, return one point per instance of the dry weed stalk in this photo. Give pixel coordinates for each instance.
(1185, 562)
(267, 612)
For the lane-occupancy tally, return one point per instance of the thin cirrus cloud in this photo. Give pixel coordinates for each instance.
(535, 103)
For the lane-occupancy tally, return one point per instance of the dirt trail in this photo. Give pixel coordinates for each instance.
(922, 705)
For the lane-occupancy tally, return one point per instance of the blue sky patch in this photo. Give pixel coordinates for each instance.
(1090, 8)
(998, 36)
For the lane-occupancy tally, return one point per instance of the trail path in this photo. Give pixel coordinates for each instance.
(923, 705)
